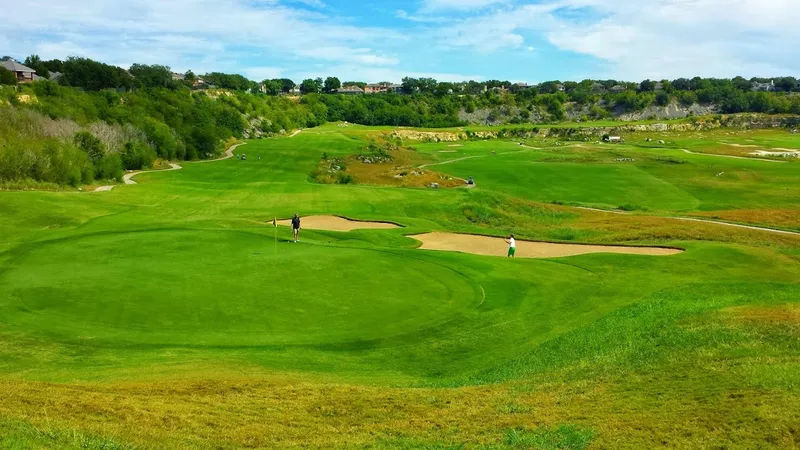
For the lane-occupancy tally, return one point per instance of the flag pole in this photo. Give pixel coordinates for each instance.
(275, 226)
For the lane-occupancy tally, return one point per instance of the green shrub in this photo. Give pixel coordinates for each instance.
(109, 168)
(344, 178)
(90, 144)
(137, 156)
(7, 77)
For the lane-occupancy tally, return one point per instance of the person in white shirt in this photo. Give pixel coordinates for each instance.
(512, 245)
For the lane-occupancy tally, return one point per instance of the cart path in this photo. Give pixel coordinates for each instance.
(692, 219)
(128, 177)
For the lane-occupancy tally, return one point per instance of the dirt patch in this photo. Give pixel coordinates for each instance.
(784, 314)
(447, 151)
(494, 246)
(403, 170)
(335, 223)
(456, 145)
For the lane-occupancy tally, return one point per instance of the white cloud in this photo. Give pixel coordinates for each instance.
(646, 38)
(262, 73)
(671, 38)
(183, 33)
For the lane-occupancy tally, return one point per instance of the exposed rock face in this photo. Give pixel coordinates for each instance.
(671, 111)
(428, 136)
(740, 121)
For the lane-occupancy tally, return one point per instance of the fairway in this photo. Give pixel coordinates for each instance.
(173, 312)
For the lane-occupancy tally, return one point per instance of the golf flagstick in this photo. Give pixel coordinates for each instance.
(275, 226)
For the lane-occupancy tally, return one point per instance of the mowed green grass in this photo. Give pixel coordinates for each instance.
(182, 277)
(609, 176)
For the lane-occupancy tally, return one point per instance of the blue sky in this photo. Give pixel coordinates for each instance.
(515, 40)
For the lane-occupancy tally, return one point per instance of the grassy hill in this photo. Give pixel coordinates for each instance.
(172, 314)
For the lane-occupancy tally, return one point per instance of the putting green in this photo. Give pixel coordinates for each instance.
(218, 288)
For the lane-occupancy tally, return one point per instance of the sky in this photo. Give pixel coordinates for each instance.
(450, 40)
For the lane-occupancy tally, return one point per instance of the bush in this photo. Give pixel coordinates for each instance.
(90, 144)
(137, 156)
(344, 178)
(109, 168)
(7, 77)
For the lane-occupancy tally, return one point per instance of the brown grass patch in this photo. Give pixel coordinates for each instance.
(402, 171)
(262, 412)
(774, 315)
(783, 218)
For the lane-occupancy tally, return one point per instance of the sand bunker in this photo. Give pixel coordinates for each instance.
(456, 145)
(493, 246)
(334, 223)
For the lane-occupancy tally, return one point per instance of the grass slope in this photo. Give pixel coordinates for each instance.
(167, 313)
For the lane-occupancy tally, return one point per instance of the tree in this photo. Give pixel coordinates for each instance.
(94, 76)
(647, 86)
(332, 84)
(35, 63)
(151, 76)
(287, 85)
(742, 84)
(360, 84)
(309, 86)
(272, 87)
(681, 84)
(662, 99)
(189, 78)
(786, 84)
(90, 144)
(7, 77)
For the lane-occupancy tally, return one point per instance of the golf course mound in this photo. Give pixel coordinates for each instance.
(494, 246)
(336, 223)
(222, 288)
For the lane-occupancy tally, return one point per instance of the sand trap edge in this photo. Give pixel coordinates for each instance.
(282, 222)
(420, 244)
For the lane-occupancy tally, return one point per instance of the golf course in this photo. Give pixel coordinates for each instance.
(653, 301)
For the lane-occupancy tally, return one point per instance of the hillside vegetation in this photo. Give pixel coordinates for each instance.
(99, 120)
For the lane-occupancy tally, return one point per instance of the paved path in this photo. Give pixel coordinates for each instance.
(296, 132)
(128, 177)
(731, 156)
(692, 219)
(478, 156)
(228, 154)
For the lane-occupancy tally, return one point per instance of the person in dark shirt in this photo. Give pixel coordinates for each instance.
(296, 226)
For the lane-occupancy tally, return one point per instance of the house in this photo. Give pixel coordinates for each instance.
(618, 88)
(295, 91)
(350, 90)
(659, 86)
(200, 83)
(598, 88)
(560, 87)
(375, 88)
(522, 86)
(178, 76)
(381, 88)
(764, 87)
(56, 76)
(24, 74)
